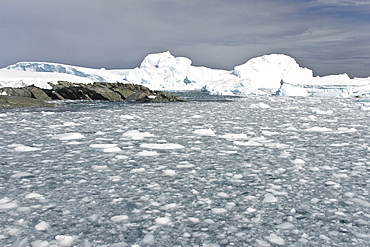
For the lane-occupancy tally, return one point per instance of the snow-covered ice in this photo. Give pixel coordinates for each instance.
(277, 74)
(210, 171)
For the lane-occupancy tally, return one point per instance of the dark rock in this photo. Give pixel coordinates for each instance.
(16, 102)
(96, 91)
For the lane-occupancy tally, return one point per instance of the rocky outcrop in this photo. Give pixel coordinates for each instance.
(16, 102)
(96, 91)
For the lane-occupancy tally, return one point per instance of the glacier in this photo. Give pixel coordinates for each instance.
(276, 74)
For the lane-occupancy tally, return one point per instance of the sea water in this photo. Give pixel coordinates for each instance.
(212, 171)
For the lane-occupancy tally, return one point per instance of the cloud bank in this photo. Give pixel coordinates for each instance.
(328, 36)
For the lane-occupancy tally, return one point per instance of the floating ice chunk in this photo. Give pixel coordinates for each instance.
(318, 129)
(299, 162)
(22, 175)
(8, 206)
(138, 170)
(23, 148)
(100, 168)
(346, 130)
(137, 135)
(270, 133)
(185, 165)
(169, 172)
(34, 196)
(148, 153)
(163, 146)
(269, 198)
(285, 226)
(121, 157)
(39, 243)
(103, 145)
(361, 202)
(42, 226)
(169, 206)
(223, 195)
(119, 218)
(148, 239)
(204, 132)
(162, 221)
(259, 105)
(3, 115)
(234, 137)
(262, 243)
(69, 136)
(219, 210)
(65, 240)
(321, 112)
(112, 150)
(247, 144)
(274, 239)
(127, 117)
(194, 220)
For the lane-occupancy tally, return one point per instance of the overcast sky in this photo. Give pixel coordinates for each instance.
(328, 36)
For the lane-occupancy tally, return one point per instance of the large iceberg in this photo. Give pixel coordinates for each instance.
(269, 74)
(162, 71)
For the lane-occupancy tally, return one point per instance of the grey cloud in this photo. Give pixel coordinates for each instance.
(218, 33)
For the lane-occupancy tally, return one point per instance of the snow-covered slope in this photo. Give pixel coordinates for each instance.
(275, 73)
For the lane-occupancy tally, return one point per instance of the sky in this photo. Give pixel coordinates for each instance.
(327, 36)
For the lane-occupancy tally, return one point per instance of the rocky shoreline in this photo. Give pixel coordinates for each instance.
(34, 96)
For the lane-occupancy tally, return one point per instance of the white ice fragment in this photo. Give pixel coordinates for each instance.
(112, 150)
(137, 135)
(269, 198)
(119, 218)
(321, 112)
(103, 145)
(162, 221)
(23, 148)
(299, 162)
(262, 243)
(318, 129)
(121, 157)
(169, 206)
(194, 220)
(204, 132)
(218, 210)
(285, 226)
(69, 136)
(163, 146)
(22, 175)
(185, 166)
(234, 137)
(251, 210)
(169, 172)
(39, 243)
(223, 195)
(138, 170)
(100, 168)
(65, 240)
(274, 239)
(149, 238)
(42, 226)
(8, 206)
(259, 105)
(360, 202)
(35, 196)
(148, 153)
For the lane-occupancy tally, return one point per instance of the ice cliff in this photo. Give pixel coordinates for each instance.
(272, 74)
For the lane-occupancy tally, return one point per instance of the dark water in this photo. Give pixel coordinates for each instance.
(219, 171)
